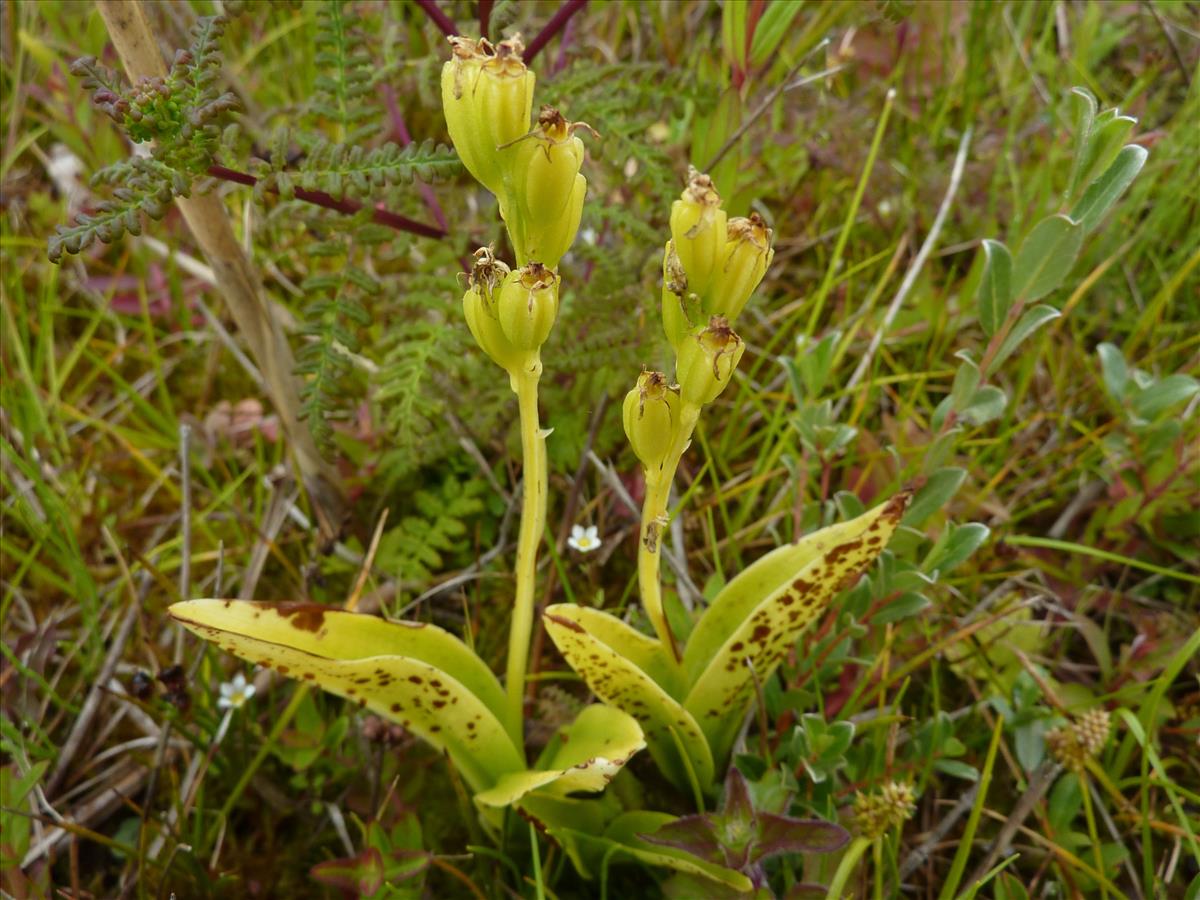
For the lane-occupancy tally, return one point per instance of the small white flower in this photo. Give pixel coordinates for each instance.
(235, 693)
(585, 540)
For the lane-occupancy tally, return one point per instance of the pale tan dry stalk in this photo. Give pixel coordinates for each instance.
(206, 218)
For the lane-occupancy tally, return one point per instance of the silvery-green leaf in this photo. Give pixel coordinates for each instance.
(1102, 193)
(995, 287)
(1046, 257)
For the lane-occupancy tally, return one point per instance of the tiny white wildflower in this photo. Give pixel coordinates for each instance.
(585, 540)
(235, 693)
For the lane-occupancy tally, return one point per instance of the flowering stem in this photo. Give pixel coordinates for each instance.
(533, 521)
(654, 525)
(846, 867)
(553, 27)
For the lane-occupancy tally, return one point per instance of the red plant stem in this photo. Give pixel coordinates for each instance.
(439, 18)
(485, 16)
(349, 207)
(553, 27)
(400, 130)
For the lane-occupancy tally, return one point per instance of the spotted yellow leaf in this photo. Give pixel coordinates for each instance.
(601, 649)
(754, 625)
(585, 756)
(399, 671)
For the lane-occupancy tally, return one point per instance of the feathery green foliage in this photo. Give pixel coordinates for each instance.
(182, 115)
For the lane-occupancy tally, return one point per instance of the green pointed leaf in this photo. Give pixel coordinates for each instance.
(1114, 370)
(1083, 115)
(1105, 141)
(1102, 193)
(1162, 395)
(1031, 320)
(399, 671)
(963, 540)
(939, 488)
(1046, 257)
(615, 678)
(771, 28)
(995, 287)
(966, 380)
(584, 756)
(986, 404)
(763, 637)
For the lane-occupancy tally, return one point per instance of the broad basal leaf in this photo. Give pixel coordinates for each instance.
(757, 640)
(398, 671)
(584, 756)
(617, 680)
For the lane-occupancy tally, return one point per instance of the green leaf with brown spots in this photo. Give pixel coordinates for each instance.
(601, 649)
(754, 625)
(584, 756)
(398, 671)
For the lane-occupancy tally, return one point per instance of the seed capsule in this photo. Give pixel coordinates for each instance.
(698, 230)
(651, 415)
(527, 306)
(480, 310)
(487, 97)
(680, 308)
(748, 254)
(706, 362)
(547, 189)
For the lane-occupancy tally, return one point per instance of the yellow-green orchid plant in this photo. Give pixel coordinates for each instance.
(686, 703)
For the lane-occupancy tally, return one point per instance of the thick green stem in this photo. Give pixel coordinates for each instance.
(846, 867)
(533, 523)
(654, 526)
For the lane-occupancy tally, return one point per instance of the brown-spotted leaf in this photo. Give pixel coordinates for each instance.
(400, 672)
(584, 756)
(754, 637)
(620, 682)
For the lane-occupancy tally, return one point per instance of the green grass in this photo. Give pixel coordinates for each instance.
(1092, 524)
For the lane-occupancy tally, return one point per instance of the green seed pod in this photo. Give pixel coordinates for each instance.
(480, 309)
(748, 254)
(527, 305)
(705, 363)
(680, 308)
(698, 230)
(487, 97)
(651, 415)
(547, 189)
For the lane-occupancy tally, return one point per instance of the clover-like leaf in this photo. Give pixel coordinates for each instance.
(757, 630)
(602, 649)
(584, 756)
(397, 670)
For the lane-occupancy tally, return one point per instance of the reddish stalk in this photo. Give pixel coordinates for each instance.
(485, 16)
(553, 27)
(349, 207)
(400, 130)
(439, 18)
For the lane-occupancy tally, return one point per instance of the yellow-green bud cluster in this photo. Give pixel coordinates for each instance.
(1073, 744)
(651, 415)
(875, 814)
(510, 313)
(487, 95)
(712, 264)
